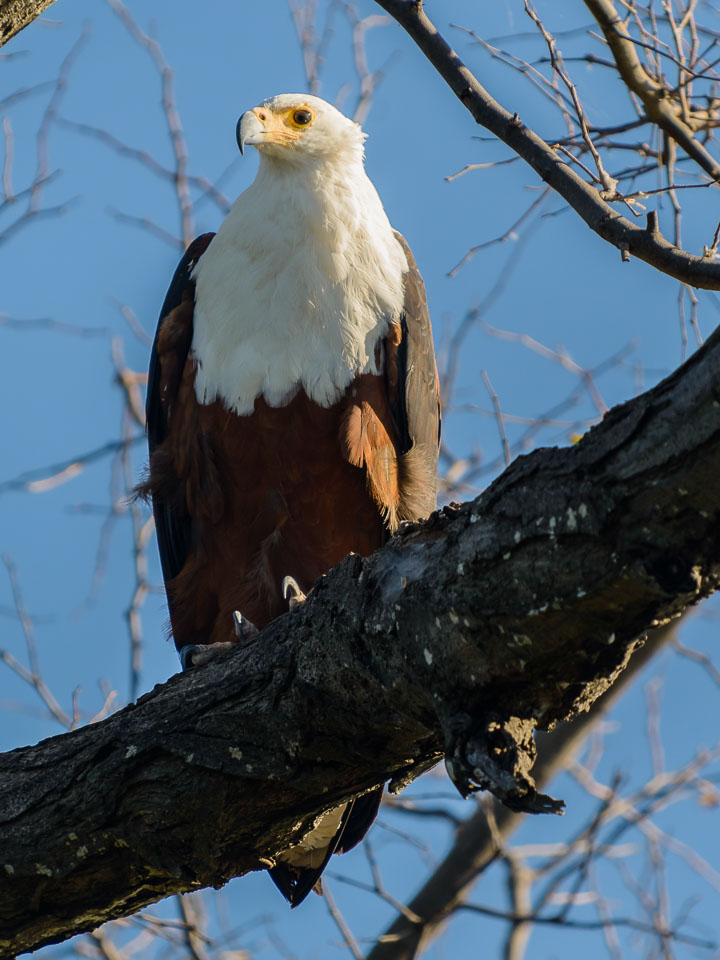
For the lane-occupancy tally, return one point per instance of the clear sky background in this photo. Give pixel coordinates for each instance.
(70, 279)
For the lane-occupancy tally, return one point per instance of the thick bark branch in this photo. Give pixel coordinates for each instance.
(16, 14)
(476, 842)
(515, 610)
(646, 243)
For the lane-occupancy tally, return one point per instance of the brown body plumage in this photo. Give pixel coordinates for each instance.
(287, 490)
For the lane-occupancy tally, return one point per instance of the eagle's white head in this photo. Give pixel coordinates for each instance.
(295, 126)
(304, 275)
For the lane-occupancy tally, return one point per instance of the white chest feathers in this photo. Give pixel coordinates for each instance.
(296, 289)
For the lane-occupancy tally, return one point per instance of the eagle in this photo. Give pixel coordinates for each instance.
(292, 410)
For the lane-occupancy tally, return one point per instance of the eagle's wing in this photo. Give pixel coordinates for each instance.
(391, 426)
(414, 397)
(167, 361)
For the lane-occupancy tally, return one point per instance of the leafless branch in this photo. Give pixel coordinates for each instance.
(33, 675)
(645, 243)
(175, 130)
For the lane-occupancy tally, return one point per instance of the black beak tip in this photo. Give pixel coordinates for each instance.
(238, 137)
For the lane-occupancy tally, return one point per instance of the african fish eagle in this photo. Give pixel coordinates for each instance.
(292, 409)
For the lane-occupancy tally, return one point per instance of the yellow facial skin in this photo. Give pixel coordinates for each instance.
(285, 126)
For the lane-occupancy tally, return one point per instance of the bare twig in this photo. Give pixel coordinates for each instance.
(169, 103)
(347, 934)
(42, 479)
(498, 416)
(658, 107)
(32, 676)
(647, 245)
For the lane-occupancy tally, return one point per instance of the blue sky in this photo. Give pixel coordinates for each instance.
(562, 285)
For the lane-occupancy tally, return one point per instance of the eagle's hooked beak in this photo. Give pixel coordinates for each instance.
(250, 129)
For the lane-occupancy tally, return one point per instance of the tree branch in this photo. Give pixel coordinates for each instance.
(517, 609)
(659, 107)
(16, 14)
(476, 842)
(646, 244)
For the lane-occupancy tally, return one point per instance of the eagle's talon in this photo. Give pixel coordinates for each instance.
(291, 592)
(198, 654)
(186, 655)
(244, 630)
(464, 786)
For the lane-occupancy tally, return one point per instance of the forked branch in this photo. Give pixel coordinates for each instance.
(645, 243)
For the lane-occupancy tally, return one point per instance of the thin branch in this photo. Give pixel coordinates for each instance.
(347, 934)
(629, 238)
(42, 479)
(510, 233)
(172, 115)
(147, 160)
(33, 676)
(498, 416)
(8, 160)
(566, 924)
(658, 106)
(48, 323)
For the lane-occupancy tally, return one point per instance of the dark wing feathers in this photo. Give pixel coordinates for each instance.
(419, 420)
(155, 416)
(295, 884)
(414, 397)
(173, 525)
(363, 814)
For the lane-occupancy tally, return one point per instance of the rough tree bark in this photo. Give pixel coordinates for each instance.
(16, 14)
(479, 838)
(513, 611)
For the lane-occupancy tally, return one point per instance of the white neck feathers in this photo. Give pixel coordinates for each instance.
(297, 287)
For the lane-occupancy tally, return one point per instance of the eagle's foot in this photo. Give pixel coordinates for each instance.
(197, 654)
(244, 630)
(291, 592)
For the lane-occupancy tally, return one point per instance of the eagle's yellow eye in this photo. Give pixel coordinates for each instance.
(301, 118)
